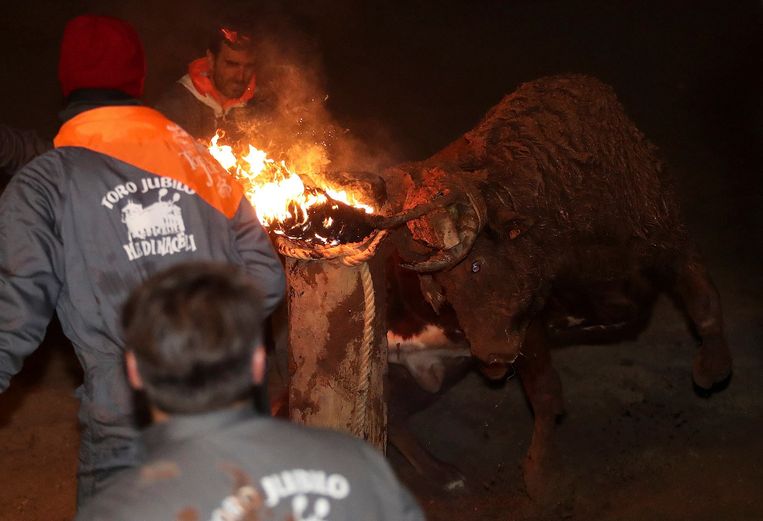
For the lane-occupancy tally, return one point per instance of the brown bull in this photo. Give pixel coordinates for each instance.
(559, 218)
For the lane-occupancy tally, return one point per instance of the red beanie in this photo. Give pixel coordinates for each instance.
(101, 52)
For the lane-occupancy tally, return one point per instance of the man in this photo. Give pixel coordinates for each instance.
(219, 89)
(218, 93)
(208, 455)
(124, 194)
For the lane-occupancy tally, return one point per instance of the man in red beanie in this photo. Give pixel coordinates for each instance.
(219, 90)
(124, 194)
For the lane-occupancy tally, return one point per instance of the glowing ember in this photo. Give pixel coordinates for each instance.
(286, 206)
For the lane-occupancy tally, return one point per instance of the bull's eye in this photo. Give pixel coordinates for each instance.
(476, 266)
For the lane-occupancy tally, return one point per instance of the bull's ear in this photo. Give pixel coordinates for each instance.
(508, 224)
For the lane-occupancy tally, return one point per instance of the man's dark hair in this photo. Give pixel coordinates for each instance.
(193, 329)
(235, 35)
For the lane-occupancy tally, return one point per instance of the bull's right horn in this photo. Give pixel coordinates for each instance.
(385, 222)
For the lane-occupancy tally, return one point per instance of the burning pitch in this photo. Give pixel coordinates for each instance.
(304, 207)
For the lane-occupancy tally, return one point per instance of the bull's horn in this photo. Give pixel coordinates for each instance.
(452, 256)
(442, 260)
(385, 222)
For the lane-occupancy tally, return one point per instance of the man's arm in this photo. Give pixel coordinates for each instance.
(259, 258)
(18, 147)
(30, 253)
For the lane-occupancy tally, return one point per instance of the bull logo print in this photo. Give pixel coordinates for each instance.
(160, 218)
(157, 229)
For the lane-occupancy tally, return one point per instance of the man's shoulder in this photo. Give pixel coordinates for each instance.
(39, 183)
(290, 433)
(47, 165)
(270, 442)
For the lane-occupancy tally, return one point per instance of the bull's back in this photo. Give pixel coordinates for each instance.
(571, 156)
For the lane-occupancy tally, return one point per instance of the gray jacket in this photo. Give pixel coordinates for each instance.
(231, 465)
(79, 229)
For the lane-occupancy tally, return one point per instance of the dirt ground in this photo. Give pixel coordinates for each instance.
(636, 442)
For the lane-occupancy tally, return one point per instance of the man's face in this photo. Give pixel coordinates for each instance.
(232, 70)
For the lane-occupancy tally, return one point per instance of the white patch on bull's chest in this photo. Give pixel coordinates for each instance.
(423, 355)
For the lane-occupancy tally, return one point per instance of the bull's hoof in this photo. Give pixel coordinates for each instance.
(711, 370)
(707, 392)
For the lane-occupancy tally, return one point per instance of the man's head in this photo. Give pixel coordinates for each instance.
(101, 52)
(231, 60)
(193, 337)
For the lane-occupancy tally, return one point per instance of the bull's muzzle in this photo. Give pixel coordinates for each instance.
(496, 367)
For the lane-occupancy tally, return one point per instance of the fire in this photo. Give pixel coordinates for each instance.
(281, 197)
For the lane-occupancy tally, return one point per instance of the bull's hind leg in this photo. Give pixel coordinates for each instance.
(543, 389)
(712, 364)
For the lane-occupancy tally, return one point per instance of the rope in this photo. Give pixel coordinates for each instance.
(361, 256)
(364, 376)
(351, 254)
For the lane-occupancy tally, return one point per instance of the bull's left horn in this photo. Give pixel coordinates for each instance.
(452, 256)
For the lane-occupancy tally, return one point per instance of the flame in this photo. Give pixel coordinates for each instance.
(349, 199)
(277, 191)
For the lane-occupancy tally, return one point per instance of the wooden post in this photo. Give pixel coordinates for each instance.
(328, 309)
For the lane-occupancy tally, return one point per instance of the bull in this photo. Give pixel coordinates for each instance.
(557, 219)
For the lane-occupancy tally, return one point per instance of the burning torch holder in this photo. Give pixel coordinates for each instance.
(337, 337)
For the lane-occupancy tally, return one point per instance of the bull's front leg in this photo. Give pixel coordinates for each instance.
(712, 364)
(543, 389)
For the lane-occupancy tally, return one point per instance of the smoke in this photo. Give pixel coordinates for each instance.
(299, 127)
(295, 123)
(290, 116)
